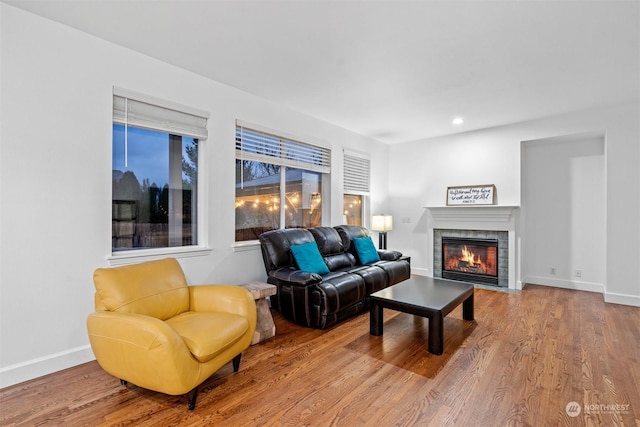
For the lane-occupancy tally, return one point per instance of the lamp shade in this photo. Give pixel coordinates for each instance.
(382, 223)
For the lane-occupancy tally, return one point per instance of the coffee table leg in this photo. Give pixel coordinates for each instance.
(375, 319)
(436, 333)
(467, 308)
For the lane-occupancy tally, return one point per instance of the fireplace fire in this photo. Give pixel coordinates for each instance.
(470, 260)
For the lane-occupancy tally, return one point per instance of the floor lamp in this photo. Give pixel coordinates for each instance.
(382, 224)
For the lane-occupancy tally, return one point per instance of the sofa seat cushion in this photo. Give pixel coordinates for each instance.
(339, 291)
(397, 271)
(208, 334)
(375, 278)
(333, 274)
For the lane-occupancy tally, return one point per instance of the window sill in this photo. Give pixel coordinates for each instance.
(130, 257)
(249, 245)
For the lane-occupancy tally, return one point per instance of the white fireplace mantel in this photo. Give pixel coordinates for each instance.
(485, 217)
(490, 216)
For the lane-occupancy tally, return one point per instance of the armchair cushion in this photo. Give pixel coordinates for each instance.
(195, 329)
(366, 250)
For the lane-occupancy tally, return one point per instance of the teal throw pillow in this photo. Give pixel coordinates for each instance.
(308, 258)
(366, 250)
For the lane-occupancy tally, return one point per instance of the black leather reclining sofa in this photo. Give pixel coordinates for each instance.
(321, 300)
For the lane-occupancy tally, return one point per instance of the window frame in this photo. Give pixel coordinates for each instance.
(357, 180)
(285, 162)
(198, 130)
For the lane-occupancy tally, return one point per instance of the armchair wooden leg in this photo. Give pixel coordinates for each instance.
(124, 382)
(193, 394)
(236, 362)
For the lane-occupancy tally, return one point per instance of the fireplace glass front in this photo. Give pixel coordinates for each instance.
(470, 259)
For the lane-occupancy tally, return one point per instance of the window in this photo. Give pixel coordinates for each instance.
(356, 187)
(352, 214)
(155, 173)
(279, 183)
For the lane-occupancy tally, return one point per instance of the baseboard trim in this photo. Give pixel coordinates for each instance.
(565, 284)
(34, 368)
(420, 271)
(624, 299)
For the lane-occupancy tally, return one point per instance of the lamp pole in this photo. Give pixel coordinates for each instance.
(382, 240)
(382, 224)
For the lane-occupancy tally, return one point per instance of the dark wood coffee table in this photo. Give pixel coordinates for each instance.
(423, 296)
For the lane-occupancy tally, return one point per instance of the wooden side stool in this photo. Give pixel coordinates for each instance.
(265, 328)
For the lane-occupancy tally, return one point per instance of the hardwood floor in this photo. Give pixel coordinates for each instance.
(521, 362)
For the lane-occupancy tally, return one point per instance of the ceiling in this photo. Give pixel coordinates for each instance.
(392, 70)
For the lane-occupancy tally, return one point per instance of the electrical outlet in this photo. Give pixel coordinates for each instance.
(578, 273)
(552, 270)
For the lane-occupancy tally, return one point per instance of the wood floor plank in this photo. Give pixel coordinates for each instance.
(525, 357)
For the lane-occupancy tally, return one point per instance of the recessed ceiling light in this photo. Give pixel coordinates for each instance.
(458, 121)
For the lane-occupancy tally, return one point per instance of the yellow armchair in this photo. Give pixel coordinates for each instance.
(151, 329)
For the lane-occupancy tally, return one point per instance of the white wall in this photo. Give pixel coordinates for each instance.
(563, 186)
(420, 172)
(55, 180)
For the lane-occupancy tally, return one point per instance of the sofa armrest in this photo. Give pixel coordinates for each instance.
(388, 255)
(295, 277)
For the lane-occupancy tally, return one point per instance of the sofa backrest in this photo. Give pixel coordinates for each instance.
(330, 245)
(154, 288)
(348, 233)
(276, 246)
(334, 243)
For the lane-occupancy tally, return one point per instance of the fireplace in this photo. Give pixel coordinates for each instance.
(470, 259)
(481, 222)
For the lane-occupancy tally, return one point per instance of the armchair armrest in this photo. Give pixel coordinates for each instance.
(295, 277)
(388, 255)
(136, 348)
(223, 298)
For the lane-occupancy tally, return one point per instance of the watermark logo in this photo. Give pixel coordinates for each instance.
(573, 409)
(609, 408)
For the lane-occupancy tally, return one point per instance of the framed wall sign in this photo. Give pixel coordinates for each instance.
(471, 195)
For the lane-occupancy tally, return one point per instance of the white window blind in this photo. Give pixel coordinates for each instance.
(265, 147)
(356, 173)
(131, 109)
